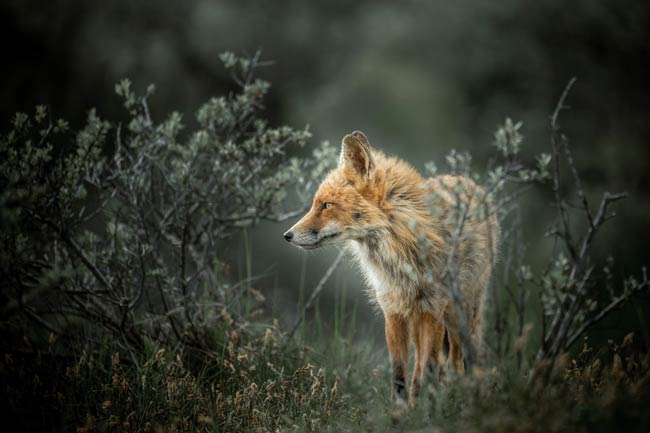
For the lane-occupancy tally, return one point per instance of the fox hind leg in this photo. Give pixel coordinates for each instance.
(437, 355)
(455, 352)
(455, 358)
(428, 335)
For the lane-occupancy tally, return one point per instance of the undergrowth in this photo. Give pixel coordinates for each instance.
(256, 380)
(592, 390)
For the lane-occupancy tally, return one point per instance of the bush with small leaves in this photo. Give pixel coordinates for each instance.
(113, 240)
(123, 226)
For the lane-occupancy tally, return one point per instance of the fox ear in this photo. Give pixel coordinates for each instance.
(355, 154)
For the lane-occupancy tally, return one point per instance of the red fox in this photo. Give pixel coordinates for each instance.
(403, 229)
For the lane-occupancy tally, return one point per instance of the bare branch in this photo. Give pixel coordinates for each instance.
(314, 295)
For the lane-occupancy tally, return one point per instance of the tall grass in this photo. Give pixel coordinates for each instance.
(605, 389)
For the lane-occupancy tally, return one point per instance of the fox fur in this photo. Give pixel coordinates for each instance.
(403, 229)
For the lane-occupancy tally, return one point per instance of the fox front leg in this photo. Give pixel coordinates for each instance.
(397, 340)
(427, 333)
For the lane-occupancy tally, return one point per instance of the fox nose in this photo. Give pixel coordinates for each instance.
(288, 236)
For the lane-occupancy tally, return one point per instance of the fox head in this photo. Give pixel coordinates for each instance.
(347, 203)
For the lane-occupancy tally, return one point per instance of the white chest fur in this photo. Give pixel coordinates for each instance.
(394, 285)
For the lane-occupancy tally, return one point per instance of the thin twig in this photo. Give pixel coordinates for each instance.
(319, 288)
(604, 312)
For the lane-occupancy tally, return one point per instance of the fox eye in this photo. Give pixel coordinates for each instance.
(326, 205)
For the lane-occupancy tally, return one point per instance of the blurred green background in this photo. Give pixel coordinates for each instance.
(418, 77)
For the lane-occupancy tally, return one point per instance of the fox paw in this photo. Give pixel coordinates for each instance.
(400, 408)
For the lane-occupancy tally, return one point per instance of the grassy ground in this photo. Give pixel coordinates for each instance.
(257, 380)
(597, 389)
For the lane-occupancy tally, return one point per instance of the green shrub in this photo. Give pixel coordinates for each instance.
(112, 242)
